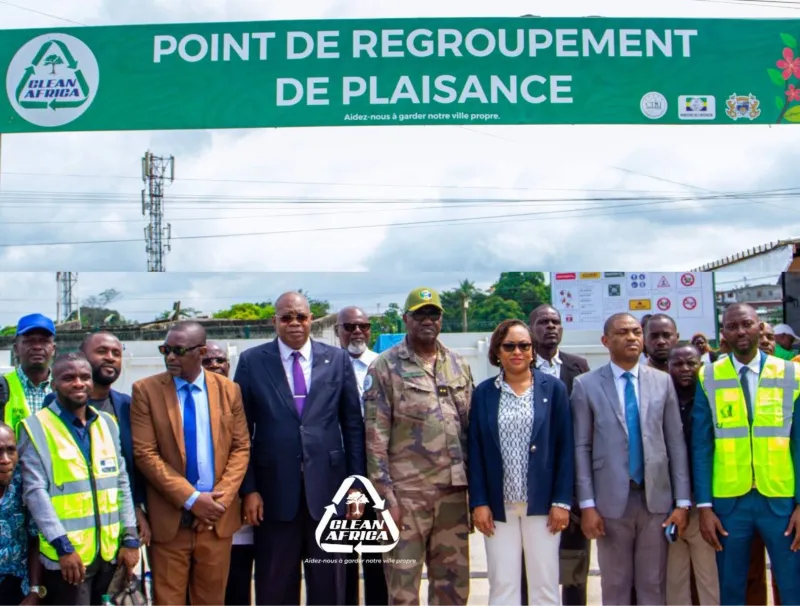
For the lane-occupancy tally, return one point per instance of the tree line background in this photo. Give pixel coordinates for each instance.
(467, 308)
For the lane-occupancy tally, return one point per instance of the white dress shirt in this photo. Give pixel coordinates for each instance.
(288, 361)
(360, 367)
(552, 367)
(620, 382)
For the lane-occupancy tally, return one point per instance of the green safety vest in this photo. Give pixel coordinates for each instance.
(752, 456)
(85, 498)
(17, 406)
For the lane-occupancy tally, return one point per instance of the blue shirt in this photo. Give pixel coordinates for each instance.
(16, 525)
(205, 445)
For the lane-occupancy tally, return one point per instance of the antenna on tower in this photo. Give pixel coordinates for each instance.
(157, 236)
(67, 297)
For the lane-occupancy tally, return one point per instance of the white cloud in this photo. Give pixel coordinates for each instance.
(420, 159)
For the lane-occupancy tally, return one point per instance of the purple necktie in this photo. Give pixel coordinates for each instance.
(299, 383)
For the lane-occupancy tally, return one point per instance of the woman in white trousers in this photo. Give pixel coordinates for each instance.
(521, 469)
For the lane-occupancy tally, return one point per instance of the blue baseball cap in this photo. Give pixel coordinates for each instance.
(35, 322)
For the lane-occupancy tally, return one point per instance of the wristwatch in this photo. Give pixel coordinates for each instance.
(39, 590)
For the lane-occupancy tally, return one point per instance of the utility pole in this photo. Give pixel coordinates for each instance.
(155, 170)
(67, 296)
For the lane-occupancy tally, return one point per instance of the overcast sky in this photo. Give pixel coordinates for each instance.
(425, 164)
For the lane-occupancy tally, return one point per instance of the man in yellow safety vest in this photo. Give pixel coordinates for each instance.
(746, 458)
(29, 383)
(77, 489)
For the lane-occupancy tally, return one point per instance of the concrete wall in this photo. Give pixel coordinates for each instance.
(143, 360)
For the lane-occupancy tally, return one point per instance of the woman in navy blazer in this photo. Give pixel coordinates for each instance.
(521, 468)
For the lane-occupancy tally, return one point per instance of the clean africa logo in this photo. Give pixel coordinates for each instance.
(52, 80)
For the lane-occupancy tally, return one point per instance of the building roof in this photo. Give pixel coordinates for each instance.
(751, 253)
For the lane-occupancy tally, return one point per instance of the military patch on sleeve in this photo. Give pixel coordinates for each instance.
(367, 382)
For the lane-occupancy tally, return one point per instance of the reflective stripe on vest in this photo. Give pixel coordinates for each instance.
(84, 510)
(757, 456)
(17, 407)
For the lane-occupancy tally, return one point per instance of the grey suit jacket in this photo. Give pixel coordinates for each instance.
(601, 442)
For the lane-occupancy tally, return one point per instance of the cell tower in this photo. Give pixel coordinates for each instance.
(67, 296)
(155, 170)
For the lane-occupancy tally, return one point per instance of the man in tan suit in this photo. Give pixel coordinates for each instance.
(190, 442)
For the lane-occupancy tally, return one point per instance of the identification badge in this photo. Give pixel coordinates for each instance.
(108, 465)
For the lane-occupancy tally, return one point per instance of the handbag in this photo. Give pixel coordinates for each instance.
(124, 592)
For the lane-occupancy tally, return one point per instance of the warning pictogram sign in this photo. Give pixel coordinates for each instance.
(663, 282)
(687, 280)
(689, 303)
(664, 303)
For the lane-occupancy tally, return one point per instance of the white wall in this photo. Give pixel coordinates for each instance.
(141, 358)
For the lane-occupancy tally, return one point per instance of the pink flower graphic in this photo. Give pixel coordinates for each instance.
(792, 94)
(789, 64)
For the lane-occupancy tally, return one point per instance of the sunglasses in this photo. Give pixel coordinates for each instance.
(510, 347)
(289, 318)
(165, 350)
(426, 314)
(352, 326)
(209, 361)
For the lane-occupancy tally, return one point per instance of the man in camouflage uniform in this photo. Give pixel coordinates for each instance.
(416, 408)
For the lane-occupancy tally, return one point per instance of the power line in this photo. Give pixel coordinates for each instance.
(31, 10)
(411, 224)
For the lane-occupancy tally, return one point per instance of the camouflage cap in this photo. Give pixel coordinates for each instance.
(421, 297)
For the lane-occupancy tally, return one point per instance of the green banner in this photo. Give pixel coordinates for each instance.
(402, 71)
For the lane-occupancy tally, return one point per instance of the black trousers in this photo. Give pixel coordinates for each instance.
(571, 538)
(375, 592)
(88, 593)
(240, 577)
(281, 548)
(10, 591)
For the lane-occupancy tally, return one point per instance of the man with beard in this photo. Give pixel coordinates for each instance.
(416, 405)
(766, 338)
(547, 330)
(29, 383)
(353, 329)
(77, 489)
(746, 458)
(690, 555)
(660, 337)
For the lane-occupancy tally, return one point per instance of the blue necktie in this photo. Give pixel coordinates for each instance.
(190, 436)
(748, 397)
(635, 445)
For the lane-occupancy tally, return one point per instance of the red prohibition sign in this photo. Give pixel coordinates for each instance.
(687, 279)
(690, 303)
(663, 304)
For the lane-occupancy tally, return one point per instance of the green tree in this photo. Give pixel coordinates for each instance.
(53, 60)
(8, 331)
(465, 292)
(247, 311)
(389, 322)
(527, 288)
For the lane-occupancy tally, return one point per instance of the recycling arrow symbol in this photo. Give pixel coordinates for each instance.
(30, 72)
(379, 506)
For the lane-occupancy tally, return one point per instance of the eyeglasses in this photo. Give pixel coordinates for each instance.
(426, 314)
(209, 361)
(352, 326)
(510, 347)
(165, 350)
(289, 318)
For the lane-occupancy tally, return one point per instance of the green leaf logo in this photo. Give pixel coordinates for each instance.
(789, 41)
(780, 102)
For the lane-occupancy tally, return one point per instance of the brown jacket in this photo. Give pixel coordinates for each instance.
(160, 454)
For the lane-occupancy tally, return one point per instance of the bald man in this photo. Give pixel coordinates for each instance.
(191, 444)
(304, 412)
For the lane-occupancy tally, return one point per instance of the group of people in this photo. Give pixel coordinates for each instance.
(678, 460)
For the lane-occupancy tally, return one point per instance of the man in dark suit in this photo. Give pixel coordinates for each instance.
(545, 325)
(103, 350)
(304, 413)
(746, 458)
